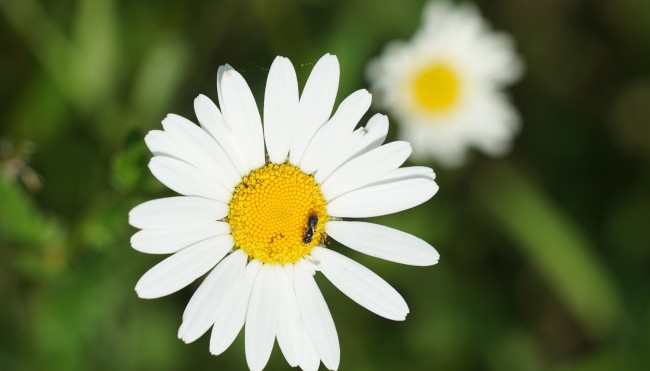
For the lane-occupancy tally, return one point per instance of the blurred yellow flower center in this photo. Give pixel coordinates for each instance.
(436, 88)
(277, 214)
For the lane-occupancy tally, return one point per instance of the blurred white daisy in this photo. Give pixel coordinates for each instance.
(445, 85)
(257, 223)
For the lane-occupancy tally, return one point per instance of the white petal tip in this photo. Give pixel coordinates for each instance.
(142, 294)
(216, 352)
(226, 71)
(331, 60)
(130, 217)
(430, 259)
(145, 293)
(184, 335)
(224, 67)
(167, 120)
(200, 100)
(383, 118)
(399, 317)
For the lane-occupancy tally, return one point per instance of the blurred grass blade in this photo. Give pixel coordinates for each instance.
(82, 66)
(554, 245)
(94, 65)
(158, 77)
(45, 39)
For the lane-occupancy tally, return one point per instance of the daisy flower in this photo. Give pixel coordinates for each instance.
(445, 85)
(257, 219)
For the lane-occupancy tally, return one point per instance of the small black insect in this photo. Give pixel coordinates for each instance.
(311, 226)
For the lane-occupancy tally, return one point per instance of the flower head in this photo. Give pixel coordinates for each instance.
(445, 85)
(257, 219)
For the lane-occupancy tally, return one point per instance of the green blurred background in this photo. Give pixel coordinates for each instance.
(545, 254)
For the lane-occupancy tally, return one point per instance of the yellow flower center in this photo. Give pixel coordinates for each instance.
(277, 214)
(436, 88)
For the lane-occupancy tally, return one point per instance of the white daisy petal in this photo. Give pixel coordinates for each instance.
(361, 284)
(369, 137)
(289, 331)
(209, 299)
(176, 212)
(280, 109)
(233, 133)
(404, 173)
(213, 122)
(240, 110)
(187, 180)
(220, 71)
(167, 241)
(382, 199)
(186, 142)
(316, 103)
(355, 144)
(335, 130)
(230, 321)
(160, 144)
(350, 112)
(182, 268)
(365, 169)
(201, 150)
(383, 242)
(261, 318)
(316, 316)
(208, 114)
(309, 360)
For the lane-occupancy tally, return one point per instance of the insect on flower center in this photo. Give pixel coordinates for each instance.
(277, 214)
(436, 88)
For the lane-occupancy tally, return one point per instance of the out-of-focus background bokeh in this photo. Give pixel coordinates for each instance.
(545, 254)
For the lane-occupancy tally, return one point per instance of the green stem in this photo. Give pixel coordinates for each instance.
(554, 245)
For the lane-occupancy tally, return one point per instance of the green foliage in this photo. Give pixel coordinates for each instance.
(127, 167)
(21, 222)
(32, 243)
